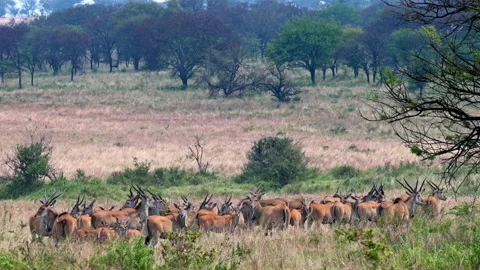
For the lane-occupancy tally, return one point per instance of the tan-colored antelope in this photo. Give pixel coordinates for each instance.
(298, 213)
(335, 198)
(41, 223)
(432, 207)
(271, 217)
(157, 226)
(137, 216)
(226, 220)
(123, 231)
(400, 210)
(66, 223)
(320, 213)
(342, 211)
(85, 220)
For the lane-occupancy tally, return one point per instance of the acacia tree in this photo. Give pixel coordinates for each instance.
(12, 38)
(74, 46)
(32, 53)
(182, 39)
(444, 122)
(306, 43)
(228, 72)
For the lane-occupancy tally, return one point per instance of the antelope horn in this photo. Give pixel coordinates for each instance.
(211, 195)
(431, 185)
(131, 193)
(410, 187)
(205, 199)
(403, 185)
(416, 185)
(421, 186)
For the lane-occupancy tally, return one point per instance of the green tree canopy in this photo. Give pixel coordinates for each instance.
(306, 43)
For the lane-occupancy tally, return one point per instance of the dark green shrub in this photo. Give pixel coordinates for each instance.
(344, 172)
(30, 163)
(141, 174)
(275, 161)
(125, 255)
(184, 252)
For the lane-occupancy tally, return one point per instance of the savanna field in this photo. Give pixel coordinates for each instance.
(100, 122)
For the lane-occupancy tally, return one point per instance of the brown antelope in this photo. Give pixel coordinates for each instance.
(122, 229)
(342, 211)
(298, 213)
(85, 220)
(157, 226)
(404, 210)
(226, 220)
(271, 217)
(66, 223)
(320, 213)
(432, 207)
(137, 215)
(41, 223)
(335, 198)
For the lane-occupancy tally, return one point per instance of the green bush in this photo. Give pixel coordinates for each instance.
(183, 252)
(30, 163)
(274, 161)
(125, 255)
(344, 172)
(141, 174)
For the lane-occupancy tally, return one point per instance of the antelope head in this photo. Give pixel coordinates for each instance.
(131, 201)
(46, 204)
(158, 203)
(414, 193)
(205, 202)
(76, 208)
(437, 191)
(182, 216)
(88, 210)
(226, 206)
(187, 205)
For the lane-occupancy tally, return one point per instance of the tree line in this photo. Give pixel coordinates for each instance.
(230, 48)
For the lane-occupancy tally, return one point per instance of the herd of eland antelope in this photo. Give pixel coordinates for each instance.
(154, 216)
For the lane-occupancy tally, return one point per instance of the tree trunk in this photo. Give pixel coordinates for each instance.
(355, 72)
(324, 73)
(2, 74)
(333, 71)
(312, 75)
(110, 63)
(136, 63)
(367, 73)
(72, 72)
(184, 79)
(19, 77)
(32, 72)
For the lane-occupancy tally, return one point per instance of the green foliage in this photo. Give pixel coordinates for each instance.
(416, 150)
(125, 255)
(141, 174)
(344, 172)
(377, 252)
(30, 163)
(275, 161)
(183, 252)
(306, 43)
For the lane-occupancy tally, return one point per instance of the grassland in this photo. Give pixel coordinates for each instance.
(99, 122)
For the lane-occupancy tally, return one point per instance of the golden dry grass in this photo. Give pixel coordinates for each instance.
(99, 122)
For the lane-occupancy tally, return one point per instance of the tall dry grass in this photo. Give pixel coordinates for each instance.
(99, 122)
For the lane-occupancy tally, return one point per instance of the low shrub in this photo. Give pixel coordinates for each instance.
(275, 162)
